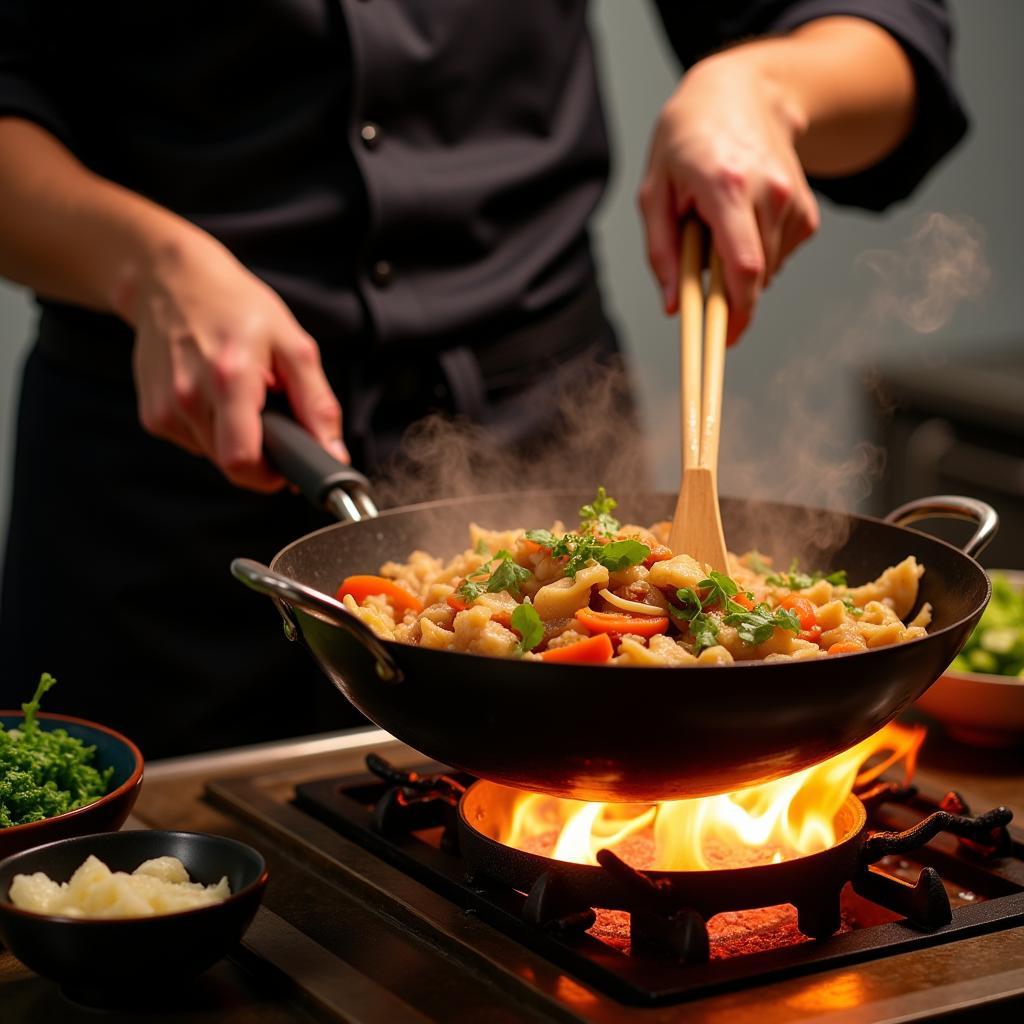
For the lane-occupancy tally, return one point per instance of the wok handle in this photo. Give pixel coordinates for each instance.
(325, 482)
(286, 592)
(952, 506)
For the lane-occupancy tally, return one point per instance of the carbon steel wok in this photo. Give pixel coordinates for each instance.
(619, 734)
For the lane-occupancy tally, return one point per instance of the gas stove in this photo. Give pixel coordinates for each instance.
(919, 884)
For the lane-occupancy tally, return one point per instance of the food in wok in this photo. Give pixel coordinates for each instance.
(614, 593)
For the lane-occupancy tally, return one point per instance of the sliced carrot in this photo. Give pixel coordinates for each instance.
(659, 553)
(530, 547)
(813, 634)
(845, 647)
(744, 601)
(802, 607)
(595, 650)
(361, 587)
(456, 603)
(622, 622)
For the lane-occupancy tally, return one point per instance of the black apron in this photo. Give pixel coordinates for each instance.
(116, 573)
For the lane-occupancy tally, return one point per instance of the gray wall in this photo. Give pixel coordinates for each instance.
(794, 389)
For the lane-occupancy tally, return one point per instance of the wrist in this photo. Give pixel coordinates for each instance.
(161, 245)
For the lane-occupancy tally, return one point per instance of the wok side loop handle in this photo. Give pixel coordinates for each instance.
(323, 480)
(952, 506)
(288, 592)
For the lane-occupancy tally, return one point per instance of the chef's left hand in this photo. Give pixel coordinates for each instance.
(725, 146)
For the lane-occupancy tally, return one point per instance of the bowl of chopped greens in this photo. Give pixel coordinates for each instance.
(61, 776)
(980, 698)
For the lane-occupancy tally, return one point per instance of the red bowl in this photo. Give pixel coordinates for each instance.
(108, 813)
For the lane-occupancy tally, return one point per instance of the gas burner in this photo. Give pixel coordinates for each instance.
(905, 871)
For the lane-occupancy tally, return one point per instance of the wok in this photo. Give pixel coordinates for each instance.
(618, 734)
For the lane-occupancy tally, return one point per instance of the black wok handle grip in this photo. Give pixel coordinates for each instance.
(287, 592)
(325, 482)
(952, 506)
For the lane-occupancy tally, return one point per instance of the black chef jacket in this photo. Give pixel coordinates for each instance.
(415, 179)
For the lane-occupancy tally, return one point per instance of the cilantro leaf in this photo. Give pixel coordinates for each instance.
(851, 607)
(490, 578)
(720, 588)
(597, 516)
(794, 580)
(621, 554)
(481, 547)
(704, 629)
(756, 626)
(545, 538)
(690, 602)
(527, 623)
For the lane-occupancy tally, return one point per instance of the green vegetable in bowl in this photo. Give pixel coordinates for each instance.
(997, 644)
(44, 772)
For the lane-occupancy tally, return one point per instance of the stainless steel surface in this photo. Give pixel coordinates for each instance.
(952, 506)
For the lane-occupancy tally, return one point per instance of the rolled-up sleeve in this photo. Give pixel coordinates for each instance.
(922, 28)
(23, 91)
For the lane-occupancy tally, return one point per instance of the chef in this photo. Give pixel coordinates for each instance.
(368, 210)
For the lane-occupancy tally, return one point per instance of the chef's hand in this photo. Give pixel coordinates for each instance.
(834, 96)
(210, 340)
(725, 147)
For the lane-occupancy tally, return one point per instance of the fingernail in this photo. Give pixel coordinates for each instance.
(339, 451)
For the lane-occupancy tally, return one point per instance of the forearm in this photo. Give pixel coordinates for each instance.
(843, 84)
(70, 234)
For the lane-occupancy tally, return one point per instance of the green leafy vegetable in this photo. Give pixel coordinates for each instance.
(997, 644)
(705, 631)
(597, 516)
(851, 607)
(756, 626)
(502, 572)
(44, 772)
(756, 562)
(545, 538)
(795, 580)
(481, 547)
(527, 623)
(621, 554)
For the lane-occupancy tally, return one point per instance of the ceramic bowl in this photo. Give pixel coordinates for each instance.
(977, 708)
(103, 815)
(132, 957)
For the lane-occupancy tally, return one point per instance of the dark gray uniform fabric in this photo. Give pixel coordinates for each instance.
(415, 179)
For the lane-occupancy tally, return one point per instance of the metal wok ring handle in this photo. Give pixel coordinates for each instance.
(952, 506)
(263, 579)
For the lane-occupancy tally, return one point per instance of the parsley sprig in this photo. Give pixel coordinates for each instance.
(597, 517)
(528, 624)
(796, 580)
(583, 548)
(502, 572)
(753, 626)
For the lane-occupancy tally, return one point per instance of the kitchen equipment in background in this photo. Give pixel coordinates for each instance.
(956, 426)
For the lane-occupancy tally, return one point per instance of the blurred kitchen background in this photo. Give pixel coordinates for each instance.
(837, 356)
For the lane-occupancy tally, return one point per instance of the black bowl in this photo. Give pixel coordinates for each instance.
(115, 955)
(108, 813)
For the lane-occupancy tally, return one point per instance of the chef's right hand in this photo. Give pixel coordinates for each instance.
(210, 340)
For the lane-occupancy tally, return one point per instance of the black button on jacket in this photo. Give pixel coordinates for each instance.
(402, 170)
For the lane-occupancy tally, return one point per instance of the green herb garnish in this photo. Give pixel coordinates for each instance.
(583, 548)
(796, 580)
(756, 626)
(851, 607)
(45, 772)
(597, 517)
(502, 572)
(527, 623)
(481, 547)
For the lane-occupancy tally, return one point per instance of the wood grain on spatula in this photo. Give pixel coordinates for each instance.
(697, 523)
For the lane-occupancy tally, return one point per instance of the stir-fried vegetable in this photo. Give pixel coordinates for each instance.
(361, 587)
(44, 772)
(592, 651)
(997, 644)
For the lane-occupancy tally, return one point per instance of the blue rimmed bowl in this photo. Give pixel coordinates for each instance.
(108, 813)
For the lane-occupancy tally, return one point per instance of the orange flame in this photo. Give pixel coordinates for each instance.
(776, 821)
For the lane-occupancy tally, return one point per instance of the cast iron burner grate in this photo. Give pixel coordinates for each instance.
(967, 880)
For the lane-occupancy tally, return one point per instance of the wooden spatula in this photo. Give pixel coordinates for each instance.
(697, 523)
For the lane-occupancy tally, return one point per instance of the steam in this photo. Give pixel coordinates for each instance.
(577, 431)
(584, 433)
(923, 283)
